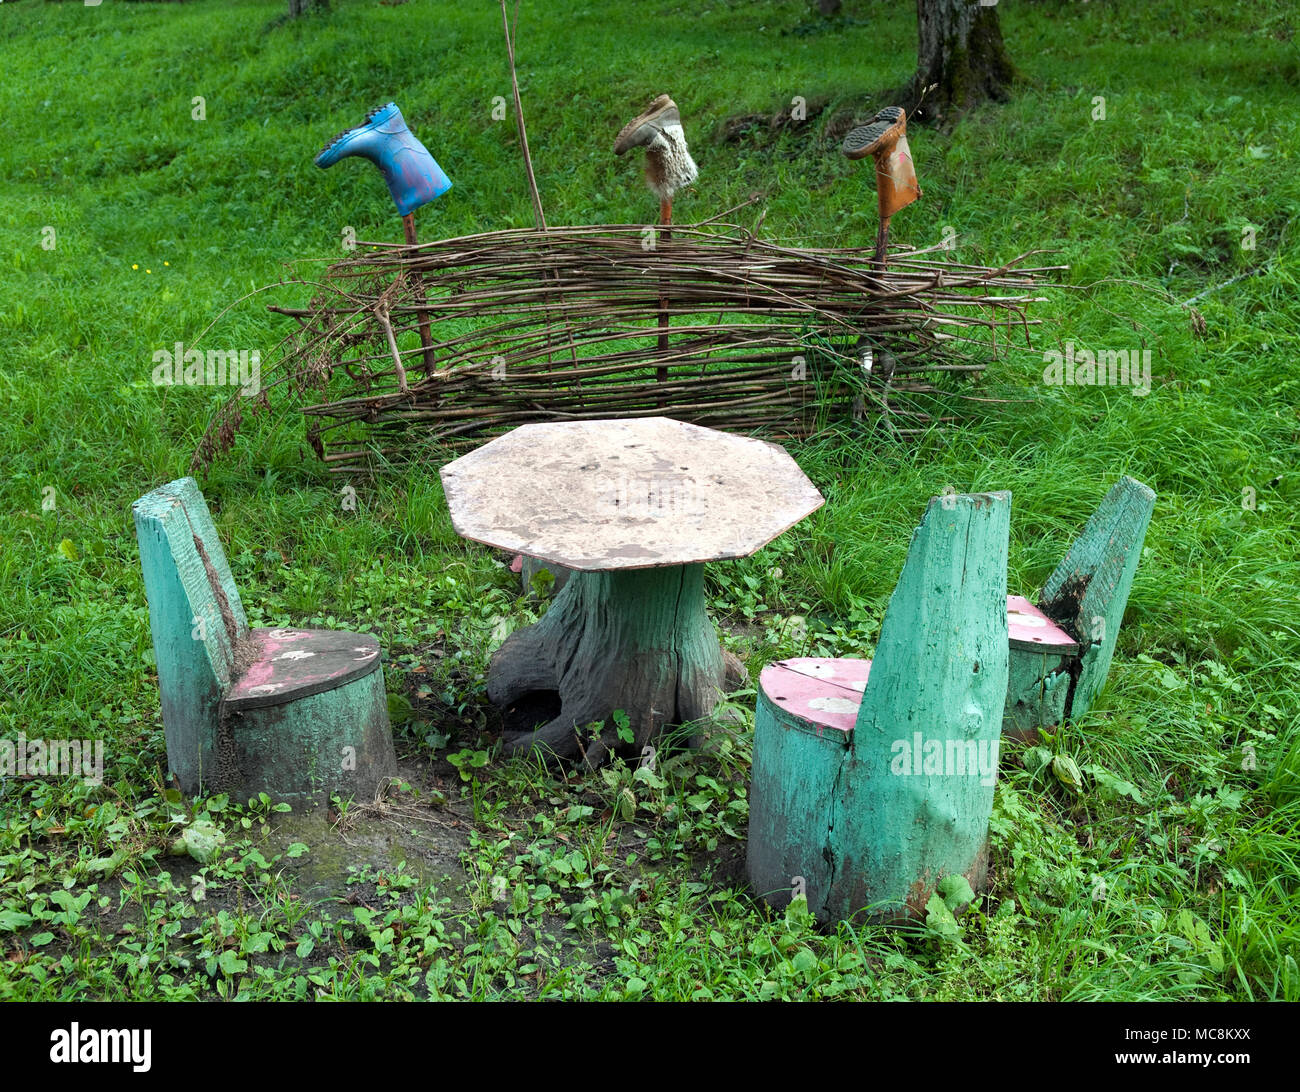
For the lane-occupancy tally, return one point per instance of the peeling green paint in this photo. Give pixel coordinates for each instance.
(832, 807)
(1087, 595)
(335, 739)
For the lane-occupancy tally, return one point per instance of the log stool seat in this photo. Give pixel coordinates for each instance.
(1062, 648)
(298, 714)
(825, 693)
(819, 694)
(1030, 630)
(835, 814)
(296, 663)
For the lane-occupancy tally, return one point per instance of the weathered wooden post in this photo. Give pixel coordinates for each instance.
(1079, 613)
(872, 780)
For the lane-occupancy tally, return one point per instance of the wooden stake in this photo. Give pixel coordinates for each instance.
(417, 279)
(882, 245)
(665, 235)
(538, 215)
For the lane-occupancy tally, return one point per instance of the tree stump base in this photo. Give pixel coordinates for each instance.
(636, 640)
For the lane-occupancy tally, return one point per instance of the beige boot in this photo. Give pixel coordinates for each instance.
(668, 163)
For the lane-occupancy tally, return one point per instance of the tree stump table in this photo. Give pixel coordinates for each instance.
(635, 508)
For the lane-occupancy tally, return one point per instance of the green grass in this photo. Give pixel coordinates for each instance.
(162, 222)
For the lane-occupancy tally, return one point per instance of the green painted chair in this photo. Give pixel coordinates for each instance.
(1061, 649)
(295, 713)
(873, 780)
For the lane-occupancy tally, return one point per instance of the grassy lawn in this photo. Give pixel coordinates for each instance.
(1173, 874)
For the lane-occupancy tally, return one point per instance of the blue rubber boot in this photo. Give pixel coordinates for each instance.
(413, 175)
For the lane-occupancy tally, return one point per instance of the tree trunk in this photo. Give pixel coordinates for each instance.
(637, 640)
(828, 7)
(301, 7)
(960, 52)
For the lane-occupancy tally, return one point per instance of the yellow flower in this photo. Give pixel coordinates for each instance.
(134, 266)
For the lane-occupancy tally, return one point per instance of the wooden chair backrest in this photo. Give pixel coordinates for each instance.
(195, 614)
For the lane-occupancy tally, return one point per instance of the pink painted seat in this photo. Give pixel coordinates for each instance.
(825, 693)
(822, 692)
(295, 663)
(1030, 629)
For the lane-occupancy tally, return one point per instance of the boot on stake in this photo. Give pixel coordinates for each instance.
(884, 138)
(668, 168)
(668, 163)
(413, 176)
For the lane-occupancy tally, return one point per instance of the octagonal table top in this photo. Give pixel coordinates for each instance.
(626, 494)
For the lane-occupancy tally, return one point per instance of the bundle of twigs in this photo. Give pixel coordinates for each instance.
(563, 324)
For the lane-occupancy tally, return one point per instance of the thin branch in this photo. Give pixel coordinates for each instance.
(1257, 271)
(538, 215)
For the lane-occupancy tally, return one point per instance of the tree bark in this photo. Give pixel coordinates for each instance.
(638, 640)
(301, 7)
(961, 54)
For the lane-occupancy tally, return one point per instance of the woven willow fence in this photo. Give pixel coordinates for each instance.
(454, 341)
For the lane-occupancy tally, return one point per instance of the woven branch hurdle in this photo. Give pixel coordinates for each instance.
(562, 324)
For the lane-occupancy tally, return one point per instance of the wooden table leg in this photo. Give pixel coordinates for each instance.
(638, 640)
